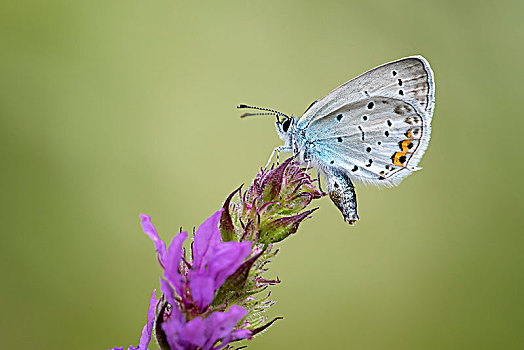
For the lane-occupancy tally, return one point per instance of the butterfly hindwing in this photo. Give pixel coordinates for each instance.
(378, 139)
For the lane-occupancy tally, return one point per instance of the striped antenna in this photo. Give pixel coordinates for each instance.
(272, 112)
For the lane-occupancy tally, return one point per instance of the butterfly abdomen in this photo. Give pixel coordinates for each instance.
(342, 193)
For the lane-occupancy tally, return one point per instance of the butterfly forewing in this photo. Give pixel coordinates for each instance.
(409, 78)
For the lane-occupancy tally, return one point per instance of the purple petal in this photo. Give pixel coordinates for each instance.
(227, 259)
(202, 289)
(220, 324)
(148, 328)
(172, 329)
(193, 333)
(166, 289)
(206, 237)
(174, 254)
(150, 230)
(176, 318)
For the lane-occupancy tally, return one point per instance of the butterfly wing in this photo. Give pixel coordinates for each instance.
(409, 77)
(379, 140)
(376, 126)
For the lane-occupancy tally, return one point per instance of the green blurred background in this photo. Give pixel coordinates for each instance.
(109, 109)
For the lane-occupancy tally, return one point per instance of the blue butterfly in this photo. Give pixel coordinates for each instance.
(372, 129)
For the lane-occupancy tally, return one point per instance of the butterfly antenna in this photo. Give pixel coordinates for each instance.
(254, 114)
(272, 111)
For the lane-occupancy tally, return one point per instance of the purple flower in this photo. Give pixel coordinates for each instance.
(206, 333)
(189, 287)
(148, 328)
(213, 262)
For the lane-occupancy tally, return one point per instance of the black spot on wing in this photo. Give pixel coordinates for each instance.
(362, 131)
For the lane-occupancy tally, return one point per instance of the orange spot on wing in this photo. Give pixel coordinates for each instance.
(406, 145)
(399, 158)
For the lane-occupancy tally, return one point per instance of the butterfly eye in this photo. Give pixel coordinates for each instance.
(286, 124)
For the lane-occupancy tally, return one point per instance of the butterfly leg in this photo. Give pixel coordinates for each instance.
(308, 164)
(278, 150)
(319, 184)
(342, 193)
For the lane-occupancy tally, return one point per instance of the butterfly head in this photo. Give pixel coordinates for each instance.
(285, 127)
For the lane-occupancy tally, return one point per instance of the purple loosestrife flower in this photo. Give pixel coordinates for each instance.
(209, 298)
(205, 333)
(192, 286)
(213, 262)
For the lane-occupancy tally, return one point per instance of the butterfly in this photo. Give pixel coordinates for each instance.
(373, 129)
